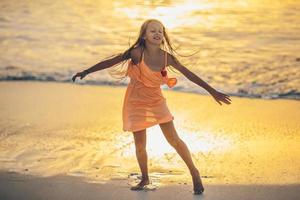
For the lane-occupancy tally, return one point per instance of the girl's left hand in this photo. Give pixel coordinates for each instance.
(79, 74)
(218, 96)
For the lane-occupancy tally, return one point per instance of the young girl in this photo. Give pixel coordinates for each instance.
(144, 105)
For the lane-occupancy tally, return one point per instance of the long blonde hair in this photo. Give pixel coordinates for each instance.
(140, 42)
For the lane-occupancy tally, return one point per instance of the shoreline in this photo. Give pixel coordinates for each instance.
(124, 85)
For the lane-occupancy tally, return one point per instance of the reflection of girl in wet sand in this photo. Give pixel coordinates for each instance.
(144, 105)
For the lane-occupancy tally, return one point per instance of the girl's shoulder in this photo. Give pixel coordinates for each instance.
(171, 59)
(136, 55)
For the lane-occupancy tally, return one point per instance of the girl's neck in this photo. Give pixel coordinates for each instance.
(152, 49)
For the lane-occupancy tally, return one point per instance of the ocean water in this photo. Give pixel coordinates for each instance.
(246, 48)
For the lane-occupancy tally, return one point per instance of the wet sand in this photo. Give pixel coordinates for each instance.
(20, 186)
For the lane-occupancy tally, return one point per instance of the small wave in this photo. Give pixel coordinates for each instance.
(10, 67)
(24, 37)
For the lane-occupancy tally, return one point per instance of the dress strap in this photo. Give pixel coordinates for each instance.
(142, 54)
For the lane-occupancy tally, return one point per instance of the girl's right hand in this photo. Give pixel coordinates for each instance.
(79, 74)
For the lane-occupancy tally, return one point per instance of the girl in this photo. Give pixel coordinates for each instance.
(144, 105)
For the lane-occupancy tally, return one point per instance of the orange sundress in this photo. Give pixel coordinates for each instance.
(144, 104)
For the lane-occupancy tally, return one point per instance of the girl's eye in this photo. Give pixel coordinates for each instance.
(158, 31)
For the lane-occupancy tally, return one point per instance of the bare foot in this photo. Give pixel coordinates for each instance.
(198, 187)
(140, 185)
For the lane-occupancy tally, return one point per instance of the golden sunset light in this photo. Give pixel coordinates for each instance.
(151, 99)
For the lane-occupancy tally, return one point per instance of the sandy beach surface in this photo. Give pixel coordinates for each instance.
(65, 141)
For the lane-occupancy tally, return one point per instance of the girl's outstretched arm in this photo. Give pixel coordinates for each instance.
(100, 66)
(218, 96)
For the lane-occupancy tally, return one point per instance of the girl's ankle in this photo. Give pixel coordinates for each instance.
(194, 171)
(146, 178)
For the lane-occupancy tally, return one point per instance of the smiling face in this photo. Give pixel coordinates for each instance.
(154, 33)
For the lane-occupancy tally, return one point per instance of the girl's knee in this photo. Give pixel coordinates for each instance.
(139, 147)
(140, 142)
(175, 141)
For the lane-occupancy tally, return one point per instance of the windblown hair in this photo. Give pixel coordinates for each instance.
(140, 42)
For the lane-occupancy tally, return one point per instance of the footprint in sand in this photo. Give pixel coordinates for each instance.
(149, 187)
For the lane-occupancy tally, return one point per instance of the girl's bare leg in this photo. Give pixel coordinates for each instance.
(172, 137)
(141, 155)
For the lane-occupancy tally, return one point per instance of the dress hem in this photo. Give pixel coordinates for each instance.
(156, 123)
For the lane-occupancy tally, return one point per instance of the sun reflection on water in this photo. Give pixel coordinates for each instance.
(171, 16)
